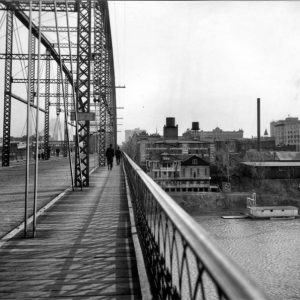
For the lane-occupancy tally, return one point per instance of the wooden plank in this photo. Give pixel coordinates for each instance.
(83, 248)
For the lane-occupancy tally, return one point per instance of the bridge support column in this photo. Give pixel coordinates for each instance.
(65, 150)
(83, 90)
(99, 77)
(47, 102)
(7, 89)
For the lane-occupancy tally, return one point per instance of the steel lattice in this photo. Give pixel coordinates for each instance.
(32, 71)
(83, 90)
(91, 28)
(7, 90)
(47, 103)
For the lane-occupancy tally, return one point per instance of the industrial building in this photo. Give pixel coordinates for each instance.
(286, 132)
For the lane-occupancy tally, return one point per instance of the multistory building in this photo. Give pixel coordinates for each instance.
(286, 132)
(176, 163)
(177, 174)
(130, 132)
(171, 143)
(216, 135)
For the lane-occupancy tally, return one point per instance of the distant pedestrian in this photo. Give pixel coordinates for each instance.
(110, 153)
(118, 155)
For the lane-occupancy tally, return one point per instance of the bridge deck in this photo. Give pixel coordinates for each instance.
(83, 248)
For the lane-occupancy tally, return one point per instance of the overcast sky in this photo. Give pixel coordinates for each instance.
(206, 62)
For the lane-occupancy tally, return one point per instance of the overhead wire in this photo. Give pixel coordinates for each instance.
(64, 96)
(2, 20)
(20, 50)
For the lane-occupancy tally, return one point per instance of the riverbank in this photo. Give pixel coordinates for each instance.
(269, 193)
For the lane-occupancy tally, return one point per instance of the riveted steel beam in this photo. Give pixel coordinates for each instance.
(7, 90)
(83, 90)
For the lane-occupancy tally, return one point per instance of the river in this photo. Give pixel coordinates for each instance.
(269, 251)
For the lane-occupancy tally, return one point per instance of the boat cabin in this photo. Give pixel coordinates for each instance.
(272, 211)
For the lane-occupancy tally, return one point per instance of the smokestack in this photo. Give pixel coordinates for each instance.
(258, 124)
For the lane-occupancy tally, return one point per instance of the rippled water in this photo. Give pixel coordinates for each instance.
(269, 251)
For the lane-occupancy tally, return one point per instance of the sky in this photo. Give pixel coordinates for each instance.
(206, 62)
(199, 61)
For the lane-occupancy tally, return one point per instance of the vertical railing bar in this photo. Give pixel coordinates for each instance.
(37, 127)
(28, 120)
(64, 96)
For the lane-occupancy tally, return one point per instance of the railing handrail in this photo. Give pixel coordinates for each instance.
(227, 274)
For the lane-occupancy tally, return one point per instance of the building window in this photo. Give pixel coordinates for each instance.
(194, 161)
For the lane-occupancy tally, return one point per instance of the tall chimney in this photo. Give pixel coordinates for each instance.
(258, 124)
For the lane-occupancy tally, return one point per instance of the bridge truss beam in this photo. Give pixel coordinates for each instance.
(47, 104)
(7, 90)
(24, 56)
(83, 90)
(93, 76)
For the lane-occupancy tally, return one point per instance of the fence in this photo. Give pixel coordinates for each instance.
(182, 261)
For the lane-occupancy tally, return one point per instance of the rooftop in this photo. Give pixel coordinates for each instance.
(272, 163)
(274, 207)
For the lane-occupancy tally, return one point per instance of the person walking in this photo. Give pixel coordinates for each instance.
(110, 153)
(118, 155)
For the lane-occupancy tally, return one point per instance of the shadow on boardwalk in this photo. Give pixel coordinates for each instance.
(54, 178)
(83, 248)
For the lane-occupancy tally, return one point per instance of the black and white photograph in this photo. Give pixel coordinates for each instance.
(149, 150)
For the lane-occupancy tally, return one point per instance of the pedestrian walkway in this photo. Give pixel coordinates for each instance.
(54, 178)
(83, 248)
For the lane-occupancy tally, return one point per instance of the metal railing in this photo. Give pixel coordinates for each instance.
(182, 261)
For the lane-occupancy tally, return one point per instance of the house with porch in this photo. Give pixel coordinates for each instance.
(176, 174)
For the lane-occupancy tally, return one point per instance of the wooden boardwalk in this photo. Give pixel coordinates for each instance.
(54, 178)
(83, 248)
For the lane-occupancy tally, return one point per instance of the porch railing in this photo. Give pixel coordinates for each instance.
(182, 260)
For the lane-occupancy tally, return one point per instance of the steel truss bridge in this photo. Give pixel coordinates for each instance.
(73, 40)
(181, 260)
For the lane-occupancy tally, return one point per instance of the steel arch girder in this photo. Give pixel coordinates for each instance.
(24, 19)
